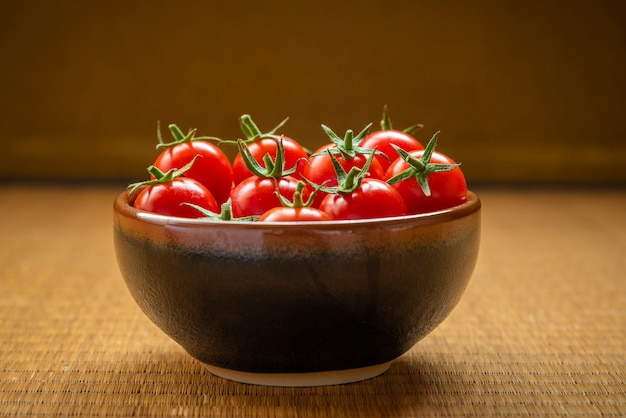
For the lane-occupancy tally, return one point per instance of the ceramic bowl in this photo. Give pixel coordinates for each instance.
(297, 304)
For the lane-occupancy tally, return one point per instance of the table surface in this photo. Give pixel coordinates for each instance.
(540, 331)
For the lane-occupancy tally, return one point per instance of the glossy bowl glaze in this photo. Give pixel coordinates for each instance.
(297, 304)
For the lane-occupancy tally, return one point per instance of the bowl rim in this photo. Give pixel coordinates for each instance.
(123, 207)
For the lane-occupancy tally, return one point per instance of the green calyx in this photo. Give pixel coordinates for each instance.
(160, 177)
(348, 146)
(226, 213)
(180, 137)
(385, 124)
(347, 182)
(298, 201)
(274, 168)
(421, 168)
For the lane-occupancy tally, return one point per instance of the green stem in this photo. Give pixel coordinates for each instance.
(298, 202)
(298, 198)
(156, 172)
(412, 129)
(352, 179)
(177, 133)
(348, 144)
(252, 132)
(249, 128)
(385, 123)
(180, 137)
(416, 163)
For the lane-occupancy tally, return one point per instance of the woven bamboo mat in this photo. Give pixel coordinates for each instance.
(541, 330)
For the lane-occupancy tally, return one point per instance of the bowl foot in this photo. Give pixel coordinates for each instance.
(327, 378)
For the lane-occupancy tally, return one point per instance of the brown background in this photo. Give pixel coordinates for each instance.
(522, 91)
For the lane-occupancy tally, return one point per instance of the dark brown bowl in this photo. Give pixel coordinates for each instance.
(297, 304)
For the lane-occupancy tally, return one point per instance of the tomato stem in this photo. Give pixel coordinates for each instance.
(156, 172)
(298, 198)
(180, 137)
(178, 134)
(412, 129)
(352, 179)
(249, 128)
(298, 202)
(252, 132)
(348, 143)
(385, 124)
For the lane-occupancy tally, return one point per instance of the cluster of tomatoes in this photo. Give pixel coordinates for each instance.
(384, 173)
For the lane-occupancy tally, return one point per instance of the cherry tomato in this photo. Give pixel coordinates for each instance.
(372, 199)
(287, 214)
(297, 209)
(447, 188)
(212, 167)
(256, 195)
(294, 153)
(382, 141)
(168, 198)
(320, 169)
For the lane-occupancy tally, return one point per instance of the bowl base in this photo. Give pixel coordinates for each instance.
(327, 378)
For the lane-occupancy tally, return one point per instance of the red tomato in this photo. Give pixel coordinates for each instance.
(447, 188)
(372, 199)
(256, 195)
(287, 214)
(294, 153)
(382, 141)
(320, 169)
(212, 167)
(168, 198)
